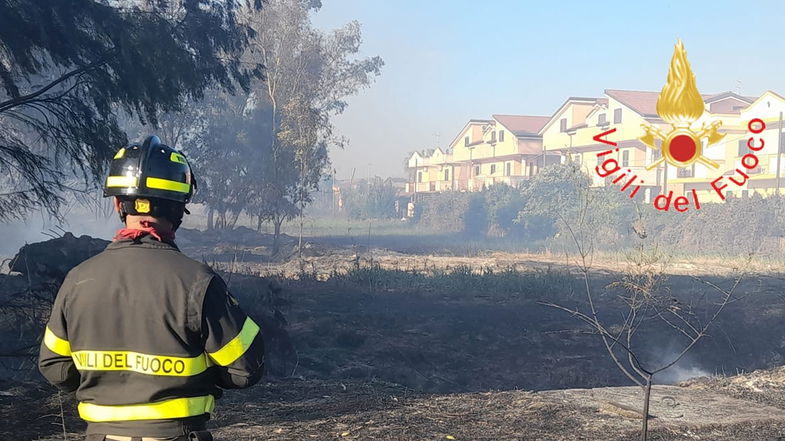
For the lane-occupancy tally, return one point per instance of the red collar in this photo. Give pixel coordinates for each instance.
(147, 228)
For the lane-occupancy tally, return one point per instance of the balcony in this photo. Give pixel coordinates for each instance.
(444, 185)
(685, 173)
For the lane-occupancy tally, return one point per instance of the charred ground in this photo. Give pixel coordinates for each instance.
(380, 345)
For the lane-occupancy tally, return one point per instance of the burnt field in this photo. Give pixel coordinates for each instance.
(405, 331)
(461, 331)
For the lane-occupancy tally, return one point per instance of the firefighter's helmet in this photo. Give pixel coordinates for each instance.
(150, 170)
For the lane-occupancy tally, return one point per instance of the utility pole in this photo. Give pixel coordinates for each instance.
(416, 176)
(332, 190)
(665, 178)
(779, 155)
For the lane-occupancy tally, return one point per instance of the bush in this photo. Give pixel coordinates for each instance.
(543, 207)
(374, 199)
(443, 211)
(738, 226)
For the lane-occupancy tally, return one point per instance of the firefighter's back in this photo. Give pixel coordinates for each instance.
(134, 326)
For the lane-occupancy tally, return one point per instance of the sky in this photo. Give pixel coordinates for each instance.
(449, 61)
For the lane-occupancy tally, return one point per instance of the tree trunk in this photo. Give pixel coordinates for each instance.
(234, 220)
(300, 240)
(646, 400)
(259, 224)
(210, 224)
(277, 234)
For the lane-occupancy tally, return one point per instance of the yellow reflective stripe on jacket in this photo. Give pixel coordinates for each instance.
(56, 344)
(139, 362)
(175, 408)
(121, 181)
(166, 184)
(237, 346)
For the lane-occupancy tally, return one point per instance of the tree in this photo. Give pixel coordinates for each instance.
(504, 202)
(374, 199)
(557, 196)
(644, 298)
(308, 76)
(68, 68)
(230, 157)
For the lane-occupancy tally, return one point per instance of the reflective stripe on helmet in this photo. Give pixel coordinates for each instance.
(120, 153)
(56, 344)
(163, 365)
(122, 181)
(236, 346)
(176, 157)
(175, 408)
(166, 184)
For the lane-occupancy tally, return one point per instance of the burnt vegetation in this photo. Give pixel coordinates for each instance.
(432, 329)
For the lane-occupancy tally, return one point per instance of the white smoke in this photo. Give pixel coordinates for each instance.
(679, 373)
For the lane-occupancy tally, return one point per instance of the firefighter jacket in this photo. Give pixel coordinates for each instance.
(147, 338)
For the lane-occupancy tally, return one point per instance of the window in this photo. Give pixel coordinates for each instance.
(655, 155)
(625, 158)
(743, 148)
(466, 141)
(686, 172)
(508, 169)
(493, 168)
(493, 136)
(563, 125)
(419, 176)
(446, 174)
(577, 158)
(602, 119)
(476, 170)
(617, 116)
(501, 135)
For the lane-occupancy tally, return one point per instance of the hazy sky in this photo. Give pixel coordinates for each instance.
(449, 61)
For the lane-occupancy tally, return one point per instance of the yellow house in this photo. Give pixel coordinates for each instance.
(572, 129)
(762, 179)
(504, 149)
(510, 148)
(578, 121)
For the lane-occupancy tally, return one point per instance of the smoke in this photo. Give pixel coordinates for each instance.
(679, 373)
(38, 227)
(686, 369)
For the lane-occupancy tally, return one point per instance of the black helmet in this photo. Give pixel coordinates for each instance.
(150, 170)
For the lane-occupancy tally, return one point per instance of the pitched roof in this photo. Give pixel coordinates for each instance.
(728, 94)
(466, 126)
(645, 103)
(522, 125)
(642, 102)
(572, 99)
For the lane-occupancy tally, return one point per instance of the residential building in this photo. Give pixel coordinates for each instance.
(627, 110)
(510, 148)
(505, 149)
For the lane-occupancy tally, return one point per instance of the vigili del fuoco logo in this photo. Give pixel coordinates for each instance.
(681, 105)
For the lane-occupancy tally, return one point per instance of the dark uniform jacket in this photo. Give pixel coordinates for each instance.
(147, 337)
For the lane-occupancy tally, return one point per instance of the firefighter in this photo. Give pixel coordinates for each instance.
(146, 336)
